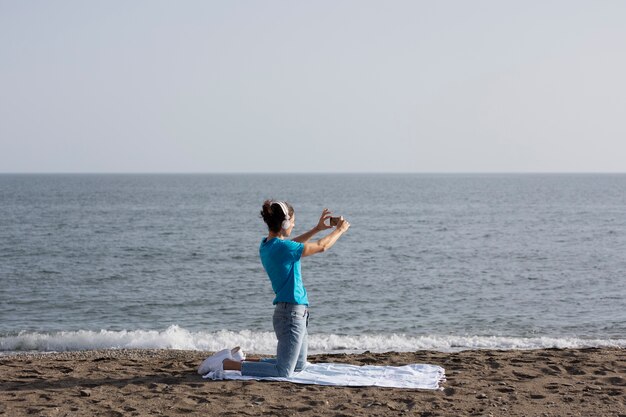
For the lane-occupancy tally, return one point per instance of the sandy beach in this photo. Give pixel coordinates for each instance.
(549, 382)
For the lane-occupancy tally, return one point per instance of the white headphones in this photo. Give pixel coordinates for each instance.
(286, 224)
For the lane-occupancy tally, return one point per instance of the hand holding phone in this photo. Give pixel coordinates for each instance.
(342, 224)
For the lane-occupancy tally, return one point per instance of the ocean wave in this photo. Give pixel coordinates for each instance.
(175, 337)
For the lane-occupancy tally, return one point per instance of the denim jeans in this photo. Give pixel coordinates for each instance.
(290, 324)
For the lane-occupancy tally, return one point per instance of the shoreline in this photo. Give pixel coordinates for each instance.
(540, 382)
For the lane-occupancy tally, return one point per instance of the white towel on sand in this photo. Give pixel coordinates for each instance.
(416, 376)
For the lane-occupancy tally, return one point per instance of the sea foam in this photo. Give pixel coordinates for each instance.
(175, 337)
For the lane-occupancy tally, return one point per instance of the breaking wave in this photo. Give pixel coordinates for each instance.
(175, 337)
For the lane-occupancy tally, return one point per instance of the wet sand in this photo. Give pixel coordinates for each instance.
(549, 382)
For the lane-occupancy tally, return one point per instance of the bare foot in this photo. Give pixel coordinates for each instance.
(231, 365)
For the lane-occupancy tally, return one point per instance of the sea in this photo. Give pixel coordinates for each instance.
(442, 262)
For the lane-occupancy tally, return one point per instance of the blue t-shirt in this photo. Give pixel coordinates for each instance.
(281, 260)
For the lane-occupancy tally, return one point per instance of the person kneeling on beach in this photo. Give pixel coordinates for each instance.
(281, 260)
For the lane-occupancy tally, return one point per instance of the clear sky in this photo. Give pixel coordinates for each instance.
(318, 86)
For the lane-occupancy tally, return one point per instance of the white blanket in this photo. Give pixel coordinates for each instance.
(408, 376)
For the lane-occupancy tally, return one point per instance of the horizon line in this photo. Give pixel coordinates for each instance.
(316, 173)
